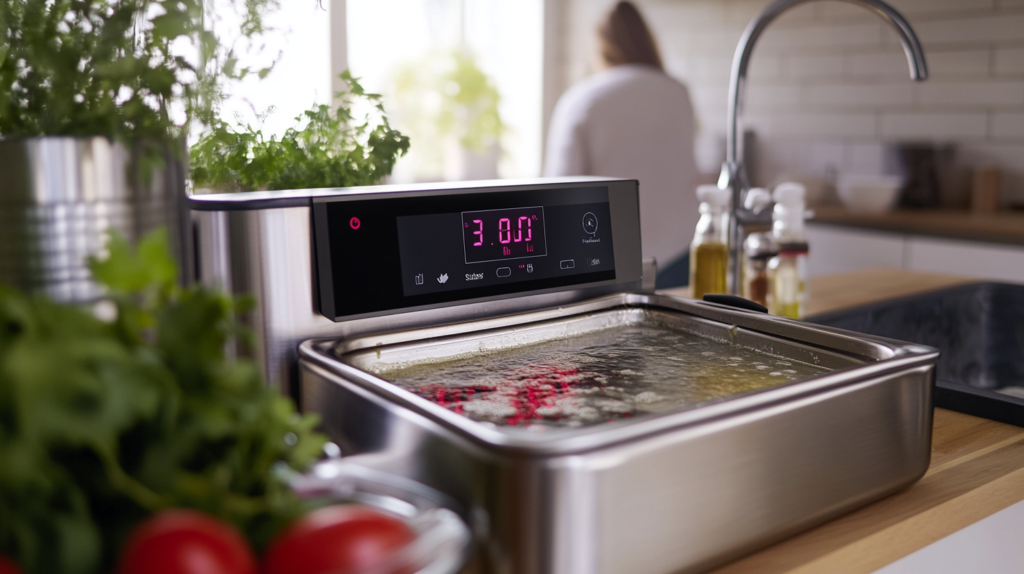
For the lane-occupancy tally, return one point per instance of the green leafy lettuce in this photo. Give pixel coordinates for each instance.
(105, 420)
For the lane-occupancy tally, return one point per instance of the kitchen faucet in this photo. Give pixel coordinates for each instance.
(733, 172)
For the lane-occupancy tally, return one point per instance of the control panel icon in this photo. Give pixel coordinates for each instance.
(419, 279)
(443, 278)
(592, 261)
(590, 223)
(503, 272)
(529, 267)
(567, 264)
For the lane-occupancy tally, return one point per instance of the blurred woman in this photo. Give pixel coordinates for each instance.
(631, 120)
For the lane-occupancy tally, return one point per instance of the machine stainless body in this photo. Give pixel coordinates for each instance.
(676, 491)
(261, 244)
(679, 491)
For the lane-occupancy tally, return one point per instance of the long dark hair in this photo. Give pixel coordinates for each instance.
(625, 38)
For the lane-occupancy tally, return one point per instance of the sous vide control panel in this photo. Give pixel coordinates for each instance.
(382, 254)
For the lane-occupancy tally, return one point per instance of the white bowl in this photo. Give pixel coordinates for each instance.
(868, 193)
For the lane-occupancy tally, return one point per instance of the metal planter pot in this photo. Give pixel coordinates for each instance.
(60, 197)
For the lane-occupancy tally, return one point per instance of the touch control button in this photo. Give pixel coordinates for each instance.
(590, 223)
(503, 272)
(567, 264)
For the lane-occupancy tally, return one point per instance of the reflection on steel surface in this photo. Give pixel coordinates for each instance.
(682, 490)
(61, 196)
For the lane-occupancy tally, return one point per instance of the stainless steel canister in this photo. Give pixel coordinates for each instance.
(60, 197)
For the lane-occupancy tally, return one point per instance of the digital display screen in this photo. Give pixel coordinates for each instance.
(450, 251)
(385, 254)
(500, 234)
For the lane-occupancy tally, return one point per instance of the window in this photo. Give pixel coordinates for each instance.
(301, 43)
(439, 63)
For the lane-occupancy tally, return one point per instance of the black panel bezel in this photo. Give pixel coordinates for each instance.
(383, 209)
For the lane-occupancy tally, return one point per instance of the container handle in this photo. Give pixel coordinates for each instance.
(734, 301)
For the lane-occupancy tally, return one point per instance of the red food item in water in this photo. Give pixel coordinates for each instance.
(337, 540)
(8, 566)
(183, 541)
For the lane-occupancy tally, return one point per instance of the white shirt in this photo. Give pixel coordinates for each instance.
(635, 122)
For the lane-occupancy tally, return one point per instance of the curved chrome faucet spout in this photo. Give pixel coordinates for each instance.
(733, 174)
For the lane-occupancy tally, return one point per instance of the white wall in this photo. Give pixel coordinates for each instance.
(829, 81)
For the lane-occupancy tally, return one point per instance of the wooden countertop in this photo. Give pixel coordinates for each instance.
(1002, 227)
(977, 468)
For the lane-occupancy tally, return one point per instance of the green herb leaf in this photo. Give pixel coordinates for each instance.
(102, 423)
(324, 149)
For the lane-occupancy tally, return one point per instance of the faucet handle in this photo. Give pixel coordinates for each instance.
(757, 199)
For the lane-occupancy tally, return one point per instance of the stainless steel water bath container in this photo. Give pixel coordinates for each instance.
(679, 491)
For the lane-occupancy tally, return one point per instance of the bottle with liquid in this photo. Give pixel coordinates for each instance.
(788, 270)
(709, 252)
(758, 250)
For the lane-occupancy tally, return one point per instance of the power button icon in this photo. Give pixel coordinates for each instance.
(354, 223)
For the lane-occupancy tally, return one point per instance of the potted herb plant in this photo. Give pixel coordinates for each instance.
(96, 100)
(329, 146)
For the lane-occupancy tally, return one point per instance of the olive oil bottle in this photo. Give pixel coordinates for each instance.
(709, 252)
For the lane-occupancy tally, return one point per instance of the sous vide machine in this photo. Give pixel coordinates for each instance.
(492, 340)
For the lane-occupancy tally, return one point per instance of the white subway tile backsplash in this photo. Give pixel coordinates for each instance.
(717, 65)
(671, 17)
(934, 126)
(830, 76)
(814, 124)
(861, 95)
(973, 94)
(891, 63)
(742, 11)
(1009, 61)
(713, 41)
(866, 34)
(971, 30)
(763, 66)
(863, 158)
(761, 96)
(956, 64)
(913, 7)
(842, 12)
(1007, 126)
(804, 66)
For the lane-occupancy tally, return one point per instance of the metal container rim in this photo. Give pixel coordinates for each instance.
(880, 356)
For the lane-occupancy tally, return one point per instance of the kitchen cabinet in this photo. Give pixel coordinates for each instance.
(844, 249)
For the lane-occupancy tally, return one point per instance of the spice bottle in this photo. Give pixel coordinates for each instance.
(758, 250)
(709, 252)
(788, 270)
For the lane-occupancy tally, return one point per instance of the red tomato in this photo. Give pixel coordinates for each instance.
(7, 566)
(186, 542)
(336, 540)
